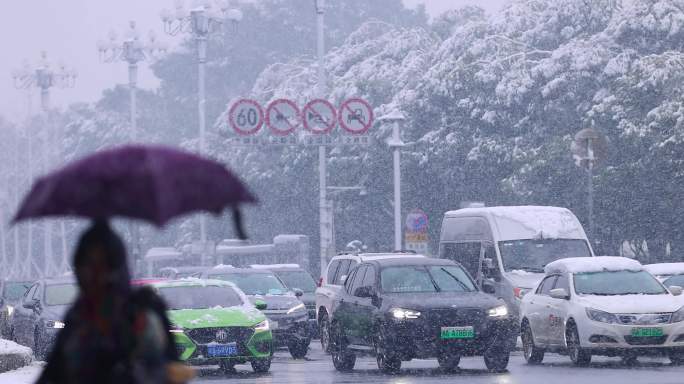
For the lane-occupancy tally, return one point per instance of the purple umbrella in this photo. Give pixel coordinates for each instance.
(151, 183)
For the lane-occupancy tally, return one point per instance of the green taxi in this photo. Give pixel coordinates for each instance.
(214, 323)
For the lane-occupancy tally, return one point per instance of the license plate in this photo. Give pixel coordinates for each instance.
(457, 333)
(222, 350)
(647, 332)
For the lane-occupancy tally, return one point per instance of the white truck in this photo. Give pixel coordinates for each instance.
(506, 248)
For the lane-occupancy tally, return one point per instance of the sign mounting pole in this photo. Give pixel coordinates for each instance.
(324, 227)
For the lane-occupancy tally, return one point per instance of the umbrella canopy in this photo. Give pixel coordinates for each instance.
(152, 183)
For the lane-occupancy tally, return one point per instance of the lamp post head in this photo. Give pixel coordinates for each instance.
(396, 116)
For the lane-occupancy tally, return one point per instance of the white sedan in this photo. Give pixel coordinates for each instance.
(602, 306)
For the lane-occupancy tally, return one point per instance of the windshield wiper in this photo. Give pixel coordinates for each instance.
(465, 288)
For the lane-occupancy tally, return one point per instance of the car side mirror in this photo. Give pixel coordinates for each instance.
(31, 304)
(559, 293)
(488, 287)
(298, 292)
(260, 304)
(675, 290)
(365, 292)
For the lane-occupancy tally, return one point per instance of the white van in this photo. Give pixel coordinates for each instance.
(506, 248)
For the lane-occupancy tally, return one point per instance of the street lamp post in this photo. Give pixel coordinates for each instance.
(588, 148)
(396, 118)
(200, 22)
(44, 77)
(132, 51)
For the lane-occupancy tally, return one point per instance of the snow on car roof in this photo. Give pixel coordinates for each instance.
(529, 222)
(593, 264)
(665, 269)
(274, 266)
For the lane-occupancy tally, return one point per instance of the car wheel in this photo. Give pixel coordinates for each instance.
(261, 365)
(324, 332)
(496, 359)
(676, 358)
(298, 349)
(449, 363)
(533, 355)
(387, 361)
(579, 356)
(227, 366)
(343, 359)
(630, 360)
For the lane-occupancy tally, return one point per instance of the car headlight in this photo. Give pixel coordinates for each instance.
(678, 316)
(601, 316)
(263, 326)
(296, 308)
(10, 310)
(56, 324)
(500, 311)
(401, 314)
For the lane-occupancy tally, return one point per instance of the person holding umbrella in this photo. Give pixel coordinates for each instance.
(113, 334)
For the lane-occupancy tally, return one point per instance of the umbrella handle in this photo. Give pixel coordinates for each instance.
(239, 226)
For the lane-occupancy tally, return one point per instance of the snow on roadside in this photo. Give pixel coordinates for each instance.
(10, 347)
(25, 375)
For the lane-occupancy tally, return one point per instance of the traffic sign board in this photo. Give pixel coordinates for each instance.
(319, 116)
(356, 116)
(283, 117)
(416, 221)
(246, 117)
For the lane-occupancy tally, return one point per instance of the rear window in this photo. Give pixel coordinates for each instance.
(15, 290)
(297, 279)
(60, 294)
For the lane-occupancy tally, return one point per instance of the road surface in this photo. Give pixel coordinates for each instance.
(556, 369)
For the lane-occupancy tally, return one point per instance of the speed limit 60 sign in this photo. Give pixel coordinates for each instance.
(246, 117)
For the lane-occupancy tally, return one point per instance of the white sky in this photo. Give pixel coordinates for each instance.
(69, 29)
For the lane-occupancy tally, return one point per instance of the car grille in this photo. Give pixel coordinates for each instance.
(644, 318)
(455, 317)
(220, 335)
(650, 340)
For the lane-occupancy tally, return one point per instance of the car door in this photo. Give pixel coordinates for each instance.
(538, 309)
(558, 311)
(22, 318)
(365, 308)
(355, 324)
(343, 307)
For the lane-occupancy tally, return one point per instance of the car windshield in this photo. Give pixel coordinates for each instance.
(297, 279)
(610, 283)
(15, 290)
(677, 280)
(533, 255)
(255, 283)
(416, 279)
(60, 294)
(200, 297)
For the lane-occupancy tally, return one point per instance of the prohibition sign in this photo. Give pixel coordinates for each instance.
(356, 116)
(282, 117)
(246, 117)
(319, 116)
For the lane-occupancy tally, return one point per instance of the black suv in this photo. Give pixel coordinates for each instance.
(401, 309)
